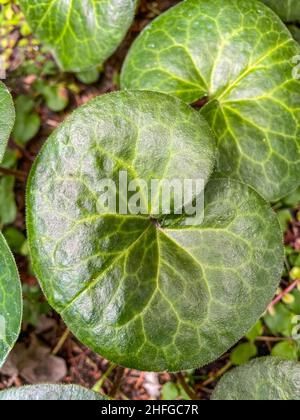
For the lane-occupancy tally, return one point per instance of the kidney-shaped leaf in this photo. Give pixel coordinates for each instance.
(288, 10)
(49, 393)
(238, 54)
(80, 34)
(149, 294)
(266, 378)
(7, 118)
(10, 301)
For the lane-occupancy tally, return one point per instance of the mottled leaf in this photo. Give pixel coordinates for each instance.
(239, 56)
(49, 393)
(288, 10)
(150, 294)
(7, 118)
(266, 378)
(10, 301)
(80, 34)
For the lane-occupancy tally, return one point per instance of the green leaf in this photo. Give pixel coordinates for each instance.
(239, 56)
(50, 393)
(295, 31)
(8, 206)
(266, 378)
(286, 350)
(284, 217)
(150, 294)
(80, 35)
(293, 199)
(243, 353)
(280, 321)
(56, 96)
(288, 10)
(7, 118)
(172, 391)
(256, 331)
(89, 77)
(28, 122)
(10, 301)
(34, 305)
(15, 239)
(294, 306)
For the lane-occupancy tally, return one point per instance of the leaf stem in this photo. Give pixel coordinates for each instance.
(13, 172)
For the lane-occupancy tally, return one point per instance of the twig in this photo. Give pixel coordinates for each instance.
(117, 381)
(278, 298)
(61, 342)
(217, 375)
(13, 172)
(186, 387)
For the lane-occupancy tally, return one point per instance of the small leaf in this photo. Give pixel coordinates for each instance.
(89, 76)
(80, 34)
(49, 393)
(286, 350)
(284, 217)
(295, 273)
(10, 301)
(266, 378)
(28, 122)
(243, 353)
(7, 117)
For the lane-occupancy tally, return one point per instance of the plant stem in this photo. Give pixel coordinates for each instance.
(186, 387)
(117, 381)
(13, 172)
(61, 342)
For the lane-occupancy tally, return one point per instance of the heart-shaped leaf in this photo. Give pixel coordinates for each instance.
(7, 118)
(266, 378)
(150, 294)
(288, 10)
(50, 393)
(80, 34)
(239, 56)
(10, 301)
